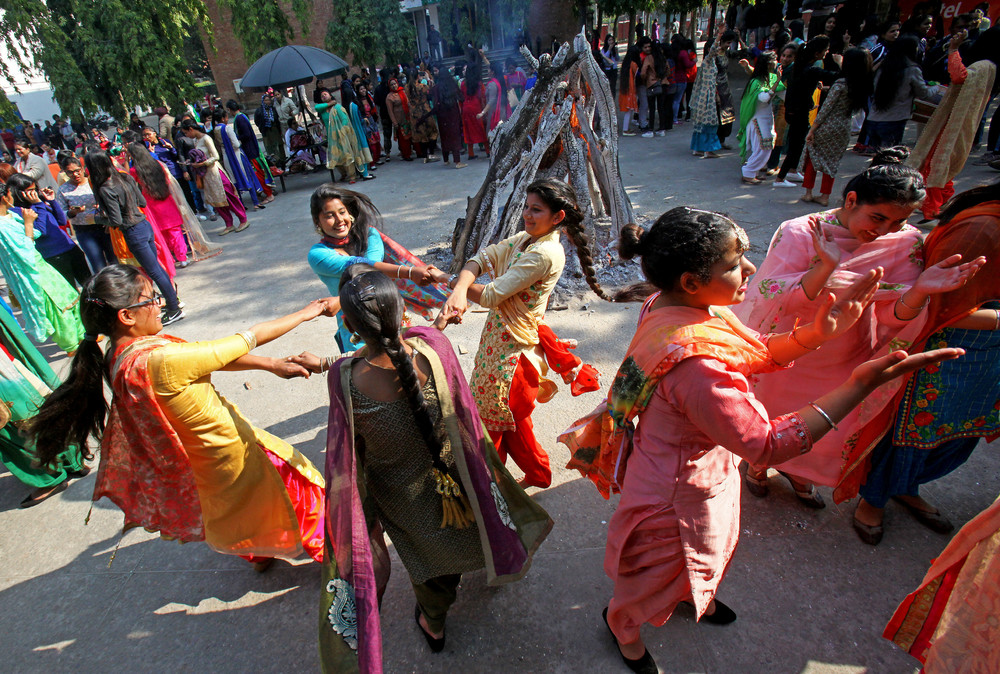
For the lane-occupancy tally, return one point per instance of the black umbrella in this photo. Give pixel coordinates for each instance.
(291, 66)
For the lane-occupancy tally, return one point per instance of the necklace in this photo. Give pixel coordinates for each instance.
(412, 355)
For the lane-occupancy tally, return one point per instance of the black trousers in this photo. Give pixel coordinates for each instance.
(386, 136)
(663, 104)
(72, 265)
(795, 142)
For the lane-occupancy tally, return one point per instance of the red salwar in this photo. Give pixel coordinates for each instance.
(520, 443)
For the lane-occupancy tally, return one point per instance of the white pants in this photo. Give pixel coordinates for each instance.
(759, 153)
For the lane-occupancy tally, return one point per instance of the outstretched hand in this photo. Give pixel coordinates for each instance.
(947, 275)
(835, 316)
(876, 372)
(827, 249)
(307, 360)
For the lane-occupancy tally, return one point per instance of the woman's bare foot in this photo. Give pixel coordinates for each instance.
(822, 200)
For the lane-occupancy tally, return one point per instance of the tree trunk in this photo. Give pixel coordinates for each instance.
(631, 28)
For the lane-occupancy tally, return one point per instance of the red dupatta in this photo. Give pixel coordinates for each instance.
(144, 469)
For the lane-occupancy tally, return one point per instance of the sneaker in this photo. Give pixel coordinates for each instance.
(647, 134)
(795, 177)
(660, 134)
(168, 317)
(182, 265)
(628, 133)
(986, 159)
(783, 183)
(203, 218)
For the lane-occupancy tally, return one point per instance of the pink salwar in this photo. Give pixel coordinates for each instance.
(677, 524)
(235, 206)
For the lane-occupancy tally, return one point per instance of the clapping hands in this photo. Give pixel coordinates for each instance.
(835, 316)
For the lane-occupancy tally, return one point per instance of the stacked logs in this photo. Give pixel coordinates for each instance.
(566, 127)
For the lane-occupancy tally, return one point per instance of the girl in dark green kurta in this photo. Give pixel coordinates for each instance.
(25, 380)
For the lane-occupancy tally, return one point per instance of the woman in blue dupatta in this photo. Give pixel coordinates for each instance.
(407, 455)
(244, 176)
(941, 412)
(359, 130)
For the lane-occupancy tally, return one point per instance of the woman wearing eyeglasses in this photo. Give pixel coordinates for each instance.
(176, 456)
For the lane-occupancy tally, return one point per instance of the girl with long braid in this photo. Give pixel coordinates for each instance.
(176, 456)
(407, 456)
(517, 347)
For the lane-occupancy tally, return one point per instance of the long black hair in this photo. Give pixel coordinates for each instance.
(77, 409)
(373, 308)
(902, 55)
(496, 68)
(18, 185)
(682, 240)
(152, 179)
(447, 89)
(762, 66)
(473, 77)
(361, 208)
(856, 70)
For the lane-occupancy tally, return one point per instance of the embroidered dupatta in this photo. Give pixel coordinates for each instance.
(151, 481)
(601, 442)
(356, 562)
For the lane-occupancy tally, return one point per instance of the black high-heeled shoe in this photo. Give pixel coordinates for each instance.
(436, 645)
(643, 665)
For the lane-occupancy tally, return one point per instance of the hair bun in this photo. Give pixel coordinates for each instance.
(630, 242)
(890, 156)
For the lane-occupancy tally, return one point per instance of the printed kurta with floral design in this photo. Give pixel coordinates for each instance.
(524, 273)
(775, 302)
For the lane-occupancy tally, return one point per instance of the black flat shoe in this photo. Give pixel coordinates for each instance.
(868, 533)
(30, 502)
(436, 645)
(723, 615)
(643, 665)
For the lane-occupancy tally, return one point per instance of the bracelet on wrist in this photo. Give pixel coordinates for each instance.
(920, 308)
(823, 414)
(454, 277)
(795, 339)
(996, 326)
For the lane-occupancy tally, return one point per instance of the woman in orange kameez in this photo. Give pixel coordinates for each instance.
(177, 457)
(686, 377)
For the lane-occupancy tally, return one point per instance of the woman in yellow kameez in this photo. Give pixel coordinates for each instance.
(176, 456)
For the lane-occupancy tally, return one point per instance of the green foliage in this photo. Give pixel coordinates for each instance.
(371, 31)
(262, 25)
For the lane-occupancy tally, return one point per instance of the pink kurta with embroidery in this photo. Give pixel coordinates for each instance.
(776, 301)
(677, 523)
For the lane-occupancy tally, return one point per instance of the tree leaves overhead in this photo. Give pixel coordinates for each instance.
(115, 54)
(371, 31)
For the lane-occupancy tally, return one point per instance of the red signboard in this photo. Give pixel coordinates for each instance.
(950, 8)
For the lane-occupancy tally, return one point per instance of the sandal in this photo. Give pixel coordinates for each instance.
(934, 521)
(810, 498)
(756, 485)
(752, 181)
(31, 501)
(243, 225)
(436, 645)
(226, 231)
(869, 534)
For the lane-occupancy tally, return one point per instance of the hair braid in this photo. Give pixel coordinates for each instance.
(410, 382)
(579, 238)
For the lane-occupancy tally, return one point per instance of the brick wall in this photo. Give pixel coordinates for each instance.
(552, 17)
(227, 60)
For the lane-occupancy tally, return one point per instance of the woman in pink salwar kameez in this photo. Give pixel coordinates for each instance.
(686, 378)
(826, 252)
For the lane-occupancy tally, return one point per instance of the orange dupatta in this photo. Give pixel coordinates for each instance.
(601, 442)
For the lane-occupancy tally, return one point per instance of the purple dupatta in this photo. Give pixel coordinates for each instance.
(356, 567)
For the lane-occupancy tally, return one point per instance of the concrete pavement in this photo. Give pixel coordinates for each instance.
(810, 596)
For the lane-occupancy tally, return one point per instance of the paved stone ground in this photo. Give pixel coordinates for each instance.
(811, 597)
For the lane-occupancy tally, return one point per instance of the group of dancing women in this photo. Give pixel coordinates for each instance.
(851, 302)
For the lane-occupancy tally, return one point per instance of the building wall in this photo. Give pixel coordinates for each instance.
(227, 60)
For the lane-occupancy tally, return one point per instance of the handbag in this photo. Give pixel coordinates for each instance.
(655, 90)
